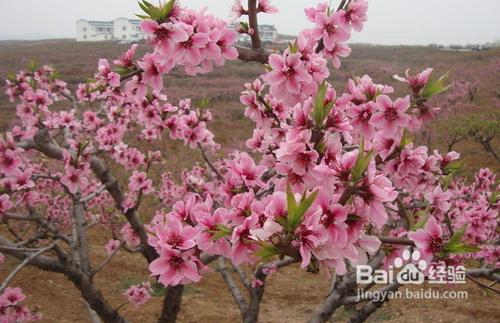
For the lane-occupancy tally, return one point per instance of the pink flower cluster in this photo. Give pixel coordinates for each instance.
(11, 309)
(191, 39)
(178, 262)
(139, 294)
(190, 126)
(324, 175)
(263, 6)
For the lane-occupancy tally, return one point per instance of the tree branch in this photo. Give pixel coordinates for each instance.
(481, 285)
(43, 143)
(243, 276)
(42, 262)
(235, 291)
(106, 261)
(95, 193)
(399, 241)
(260, 55)
(363, 313)
(209, 163)
(341, 288)
(24, 263)
(81, 243)
(253, 23)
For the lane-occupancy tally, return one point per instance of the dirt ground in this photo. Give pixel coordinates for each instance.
(291, 295)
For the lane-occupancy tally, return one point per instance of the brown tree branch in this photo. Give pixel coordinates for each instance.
(41, 262)
(340, 290)
(24, 263)
(233, 288)
(253, 23)
(210, 164)
(260, 55)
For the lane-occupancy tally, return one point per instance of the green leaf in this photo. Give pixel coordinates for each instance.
(493, 197)
(167, 8)
(244, 26)
(204, 103)
(405, 140)
(454, 167)
(456, 238)
(33, 65)
(290, 201)
(267, 251)
(145, 8)
(294, 49)
(122, 71)
(320, 111)
(154, 13)
(446, 181)
(304, 206)
(424, 215)
(222, 231)
(11, 77)
(462, 248)
(142, 16)
(296, 217)
(362, 162)
(434, 87)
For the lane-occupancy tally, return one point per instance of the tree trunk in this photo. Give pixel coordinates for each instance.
(94, 297)
(171, 304)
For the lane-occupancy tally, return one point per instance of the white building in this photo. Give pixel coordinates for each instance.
(268, 34)
(122, 29)
(87, 30)
(127, 29)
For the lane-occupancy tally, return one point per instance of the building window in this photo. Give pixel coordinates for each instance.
(84, 28)
(124, 28)
(84, 36)
(124, 36)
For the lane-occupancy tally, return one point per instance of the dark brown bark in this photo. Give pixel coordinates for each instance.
(253, 23)
(94, 297)
(171, 304)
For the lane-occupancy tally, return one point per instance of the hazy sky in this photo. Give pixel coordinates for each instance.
(389, 21)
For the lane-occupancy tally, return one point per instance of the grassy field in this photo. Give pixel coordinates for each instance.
(293, 295)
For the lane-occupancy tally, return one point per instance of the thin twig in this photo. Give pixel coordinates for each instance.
(209, 163)
(478, 283)
(107, 260)
(23, 264)
(243, 276)
(253, 23)
(95, 193)
(400, 241)
(233, 288)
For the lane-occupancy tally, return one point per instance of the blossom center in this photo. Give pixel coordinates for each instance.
(391, 114)
(161, 34)
(366, 115)
(187, 44)
(303, 158)
(289, 73)
(174, 239)
(176, 262)
(330, 28)
(8, 161)
(435, 244)
(365, 193)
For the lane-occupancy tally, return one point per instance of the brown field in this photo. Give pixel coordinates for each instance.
(291, 296)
